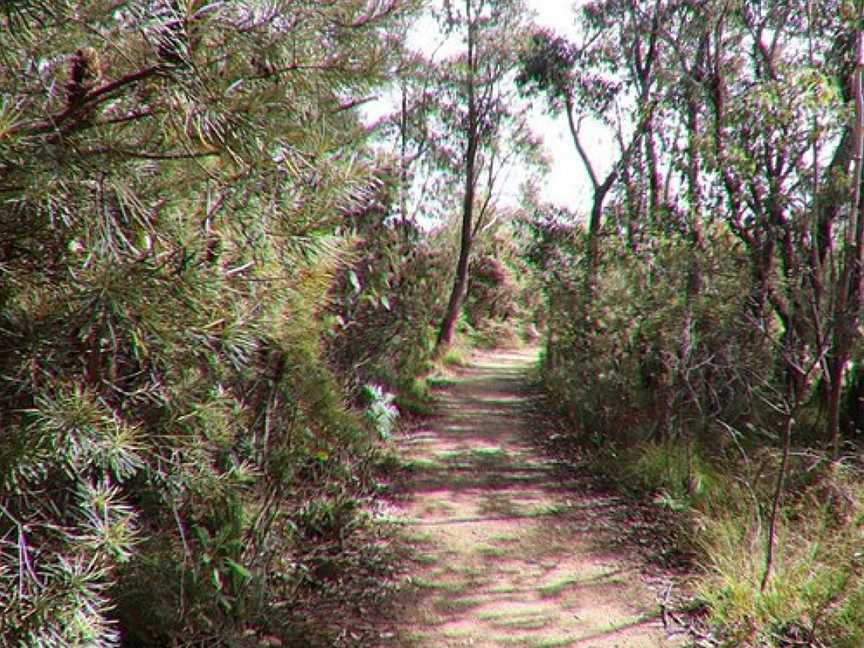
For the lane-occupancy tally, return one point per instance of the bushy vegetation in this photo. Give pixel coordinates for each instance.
(386, 302)
(701, 433)
(502, 303)
(178, 459)
(217, 297)
(704, 328)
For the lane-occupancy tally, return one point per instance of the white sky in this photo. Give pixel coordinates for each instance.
(567, 183)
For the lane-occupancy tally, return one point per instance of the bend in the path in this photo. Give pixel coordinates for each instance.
(507, 555)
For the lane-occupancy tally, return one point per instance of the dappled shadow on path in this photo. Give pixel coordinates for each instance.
(506, 553)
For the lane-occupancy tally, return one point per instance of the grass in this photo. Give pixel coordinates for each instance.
(664, 471)
(491, 552)
(497, 615)
(418, 537)
(816, 590)
(436, 507)
(412, 397)
(440, 586)
(456, 604)
(489, 455)
(466, 570)
(520, 623)
(420, 465)
(530, 619)
(433, 620)
(556, 587)
(454, 357)
(538, 642)
(816, 584)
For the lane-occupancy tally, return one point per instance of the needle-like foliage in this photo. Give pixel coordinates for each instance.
(171, 177)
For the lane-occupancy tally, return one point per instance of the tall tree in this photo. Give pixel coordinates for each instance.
(586, 81)
(481, 125)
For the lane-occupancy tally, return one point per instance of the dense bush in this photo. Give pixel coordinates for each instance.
(173, 442)
(684, 361)
(503, 304)
(388, 299)
(683, 399)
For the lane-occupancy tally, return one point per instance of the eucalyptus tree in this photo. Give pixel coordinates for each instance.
(776, 79)
(171, 174)
(479, 126)
(611, 71)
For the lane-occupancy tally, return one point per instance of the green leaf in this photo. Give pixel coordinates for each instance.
(238, 569)
(355, 281)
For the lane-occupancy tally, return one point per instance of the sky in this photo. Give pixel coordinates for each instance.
(567, 184)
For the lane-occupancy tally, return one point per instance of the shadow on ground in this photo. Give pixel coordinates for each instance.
(506, 553)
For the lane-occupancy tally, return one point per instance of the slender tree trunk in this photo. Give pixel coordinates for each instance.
(693, 287)
(403, 161)
(601, 189)
(836, 369)
(655, 183)
(596, 219)
(594, 232)
(849, 294)
(771, 540)
(634, 207)
(460, 282)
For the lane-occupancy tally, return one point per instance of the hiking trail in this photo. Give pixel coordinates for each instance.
(507, 553)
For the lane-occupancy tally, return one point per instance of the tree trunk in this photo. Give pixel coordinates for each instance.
(837, 366)
(849, 293)
(655, 184)
(594, 234)
(635, 203)
(771, 540)
(460, 282)
(403, 160)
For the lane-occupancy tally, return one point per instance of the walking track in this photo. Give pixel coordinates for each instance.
(507, 554)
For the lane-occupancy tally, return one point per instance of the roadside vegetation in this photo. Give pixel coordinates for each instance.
(223, 283)
(211, 314)
(704, 335)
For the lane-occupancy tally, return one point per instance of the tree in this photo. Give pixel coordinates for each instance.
(172, 175)
(482, 129)
(575, 80)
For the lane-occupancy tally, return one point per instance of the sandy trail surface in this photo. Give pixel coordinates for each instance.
(506, 552)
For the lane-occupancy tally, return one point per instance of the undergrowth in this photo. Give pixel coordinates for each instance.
(815, 595)
(680, 405)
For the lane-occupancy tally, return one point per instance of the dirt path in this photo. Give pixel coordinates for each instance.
(506, 554)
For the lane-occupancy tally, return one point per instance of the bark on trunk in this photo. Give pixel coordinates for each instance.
(849, 293)
(460, 282)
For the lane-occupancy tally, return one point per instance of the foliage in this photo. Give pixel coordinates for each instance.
(502, 305)
(387, 300)
(711, 340)
(816, 592)
(172, 180)
(625, 339)
(380, 412)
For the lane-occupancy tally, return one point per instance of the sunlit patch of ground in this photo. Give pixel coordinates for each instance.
(507, 555)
